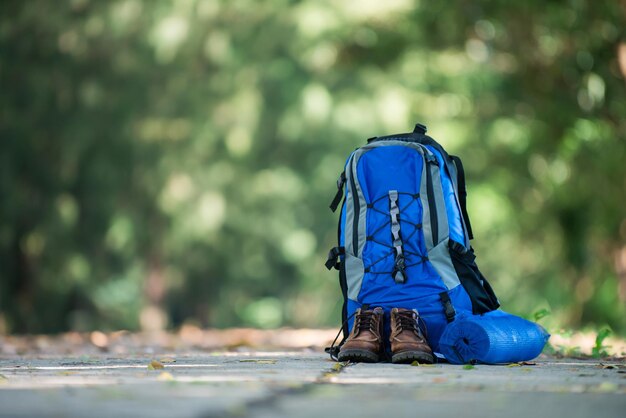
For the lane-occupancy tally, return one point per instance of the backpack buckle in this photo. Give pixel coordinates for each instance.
(333, 258)
(431, 159)
(448, 309)
(340, 182)
(398, 270)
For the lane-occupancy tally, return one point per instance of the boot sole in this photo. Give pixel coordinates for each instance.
(411, 356)
(358, 356)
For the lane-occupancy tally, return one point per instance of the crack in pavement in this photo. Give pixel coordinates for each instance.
(277, 394)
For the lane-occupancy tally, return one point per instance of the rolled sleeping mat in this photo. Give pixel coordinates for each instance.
(492, 338)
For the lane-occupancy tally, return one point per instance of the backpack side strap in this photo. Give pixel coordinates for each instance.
(340, 182)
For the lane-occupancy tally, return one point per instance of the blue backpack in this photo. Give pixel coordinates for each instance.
(404, 234)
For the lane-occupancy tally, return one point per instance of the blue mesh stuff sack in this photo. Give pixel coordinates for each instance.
(492, 338)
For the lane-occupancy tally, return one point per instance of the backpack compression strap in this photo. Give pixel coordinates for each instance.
(460, 176)
(340, 182)
(394, 212)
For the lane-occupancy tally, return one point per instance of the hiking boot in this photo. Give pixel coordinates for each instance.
(408, 344)
(365, 343)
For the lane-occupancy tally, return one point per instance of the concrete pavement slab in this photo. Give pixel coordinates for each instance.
(302, 383)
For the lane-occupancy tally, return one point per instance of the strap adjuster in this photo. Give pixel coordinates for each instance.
(431, 159)
(340, 182)
(448, 309)
(333, 258)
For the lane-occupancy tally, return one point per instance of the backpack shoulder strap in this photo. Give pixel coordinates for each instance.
(460, 176)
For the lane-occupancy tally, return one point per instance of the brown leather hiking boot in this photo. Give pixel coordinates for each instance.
(407, 341)
(365, 343)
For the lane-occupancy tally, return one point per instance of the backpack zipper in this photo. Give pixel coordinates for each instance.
(430, 192)
(356, 208)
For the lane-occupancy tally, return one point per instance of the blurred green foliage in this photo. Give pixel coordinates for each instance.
(166, 161)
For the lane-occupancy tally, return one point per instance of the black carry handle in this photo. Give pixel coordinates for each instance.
(420, 129)
(418, 135)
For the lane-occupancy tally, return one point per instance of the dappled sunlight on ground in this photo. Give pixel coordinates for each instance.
(575, 344)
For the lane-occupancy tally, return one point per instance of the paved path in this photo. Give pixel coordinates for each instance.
(303, 383)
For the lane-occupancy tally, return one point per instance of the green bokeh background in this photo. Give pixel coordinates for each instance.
(164, 162)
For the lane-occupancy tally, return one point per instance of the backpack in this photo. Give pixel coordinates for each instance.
(404, 235)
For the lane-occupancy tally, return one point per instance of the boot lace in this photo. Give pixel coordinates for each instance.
(364, 321)
(408, 321)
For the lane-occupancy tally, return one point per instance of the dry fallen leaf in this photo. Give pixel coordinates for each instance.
(66, 373)
(165, 377)
(605, 387)
(99, 339)
(155, 365)
(418, 364)
(258, 361)
(513, 365)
